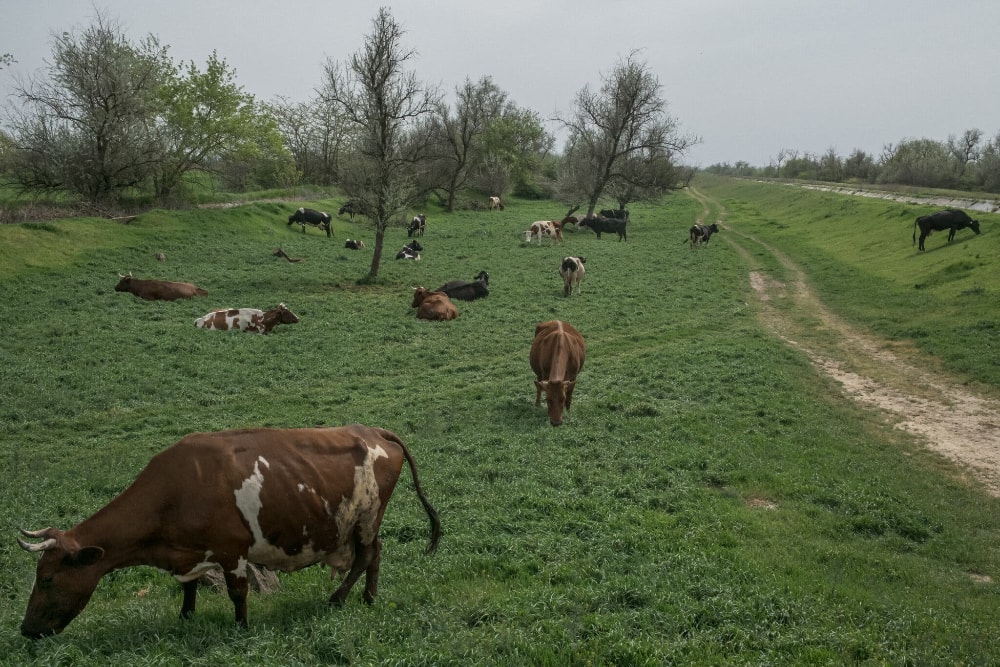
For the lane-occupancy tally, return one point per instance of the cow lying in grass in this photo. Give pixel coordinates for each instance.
(247, 319)
(466, 291)
(158, 290)
(433, 305)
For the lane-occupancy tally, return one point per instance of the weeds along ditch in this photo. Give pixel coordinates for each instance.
(709, 498)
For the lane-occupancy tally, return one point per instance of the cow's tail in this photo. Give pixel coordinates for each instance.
(915, 222)
(432, 514)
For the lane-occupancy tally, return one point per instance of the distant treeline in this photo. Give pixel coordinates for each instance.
(966, 162)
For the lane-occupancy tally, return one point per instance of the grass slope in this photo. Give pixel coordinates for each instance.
(709, 499)
(860, 256)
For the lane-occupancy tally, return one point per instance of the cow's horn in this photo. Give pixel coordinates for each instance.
(50, 543)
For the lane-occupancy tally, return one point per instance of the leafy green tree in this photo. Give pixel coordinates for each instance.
(90, 127)
(923, 162)
(627, 116)
(514, 146)
(207, 116)
(385, 104)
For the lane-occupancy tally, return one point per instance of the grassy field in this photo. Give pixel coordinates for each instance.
(708, 500)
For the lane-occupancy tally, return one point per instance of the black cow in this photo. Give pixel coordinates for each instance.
(459, 289)
(951, 219)
(351, 208)
(615, 213)
(313, 218)
(417, 225)
(601, 224)
(699, 234)
(410, 251)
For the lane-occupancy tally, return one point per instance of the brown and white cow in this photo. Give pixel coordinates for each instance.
(283, 499)
(158, 290)
(247, 319)
(548, 228)
(433, 305)
(572, 271)
(557, 355)
(494, 202)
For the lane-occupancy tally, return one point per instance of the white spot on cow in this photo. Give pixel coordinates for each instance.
(201, 568)
(361, 509)
(241, 568)
(248, 499)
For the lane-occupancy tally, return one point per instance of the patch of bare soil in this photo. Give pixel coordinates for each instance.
(906, 387)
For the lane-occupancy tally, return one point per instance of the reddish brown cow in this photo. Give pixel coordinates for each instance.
(433, 305)
(280, 498)
(557, 355)
(158, 290)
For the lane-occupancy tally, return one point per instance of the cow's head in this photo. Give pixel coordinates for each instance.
(123, 282)
(65, 578)
(974, 226)
(419, 294)
(286, 316)
(483, 277)
(558, 397)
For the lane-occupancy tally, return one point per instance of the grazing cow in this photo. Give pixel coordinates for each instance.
(158, 290)
(351, 208)
(410, 251)
(433, 305)
(699, 234)
(352, 244)
(548, 228)
(417, 225)
(247, 319)
(466, 291)
(495, 202)
(951, 219)
(602, 224)
(572, 272)
(283, 499)
(313, 218)
(557, 355)
(615, 213)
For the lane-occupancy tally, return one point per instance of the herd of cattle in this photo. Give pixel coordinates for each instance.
(286, 499)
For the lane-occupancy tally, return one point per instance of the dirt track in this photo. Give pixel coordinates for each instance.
(907, 387)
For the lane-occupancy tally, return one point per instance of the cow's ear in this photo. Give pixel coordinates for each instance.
(85, 556)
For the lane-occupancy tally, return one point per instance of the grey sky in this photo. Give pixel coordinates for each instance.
(748, 77)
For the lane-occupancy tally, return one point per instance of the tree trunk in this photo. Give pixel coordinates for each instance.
(377, 255)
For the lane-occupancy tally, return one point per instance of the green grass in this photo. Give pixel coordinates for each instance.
(709, 499)
(860, 257)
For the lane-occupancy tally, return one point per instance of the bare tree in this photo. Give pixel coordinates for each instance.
(385, 104)
(624, 118)
(90, 127)
(461, 132)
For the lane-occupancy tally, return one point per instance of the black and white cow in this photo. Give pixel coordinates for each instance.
(465, 291)
(313, 218)
(354, 244)
(601, 224)
(572, 271)
(699, 234)
(410, 251)
(951, 219)
(615, 213)
(417, 225)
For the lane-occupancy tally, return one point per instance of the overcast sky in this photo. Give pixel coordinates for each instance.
(750, 77)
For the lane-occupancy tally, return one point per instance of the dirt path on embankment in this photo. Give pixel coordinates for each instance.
(902, 383)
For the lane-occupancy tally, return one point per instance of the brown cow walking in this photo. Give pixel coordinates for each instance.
(280, 498)
(557, 356)
(158, 290)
